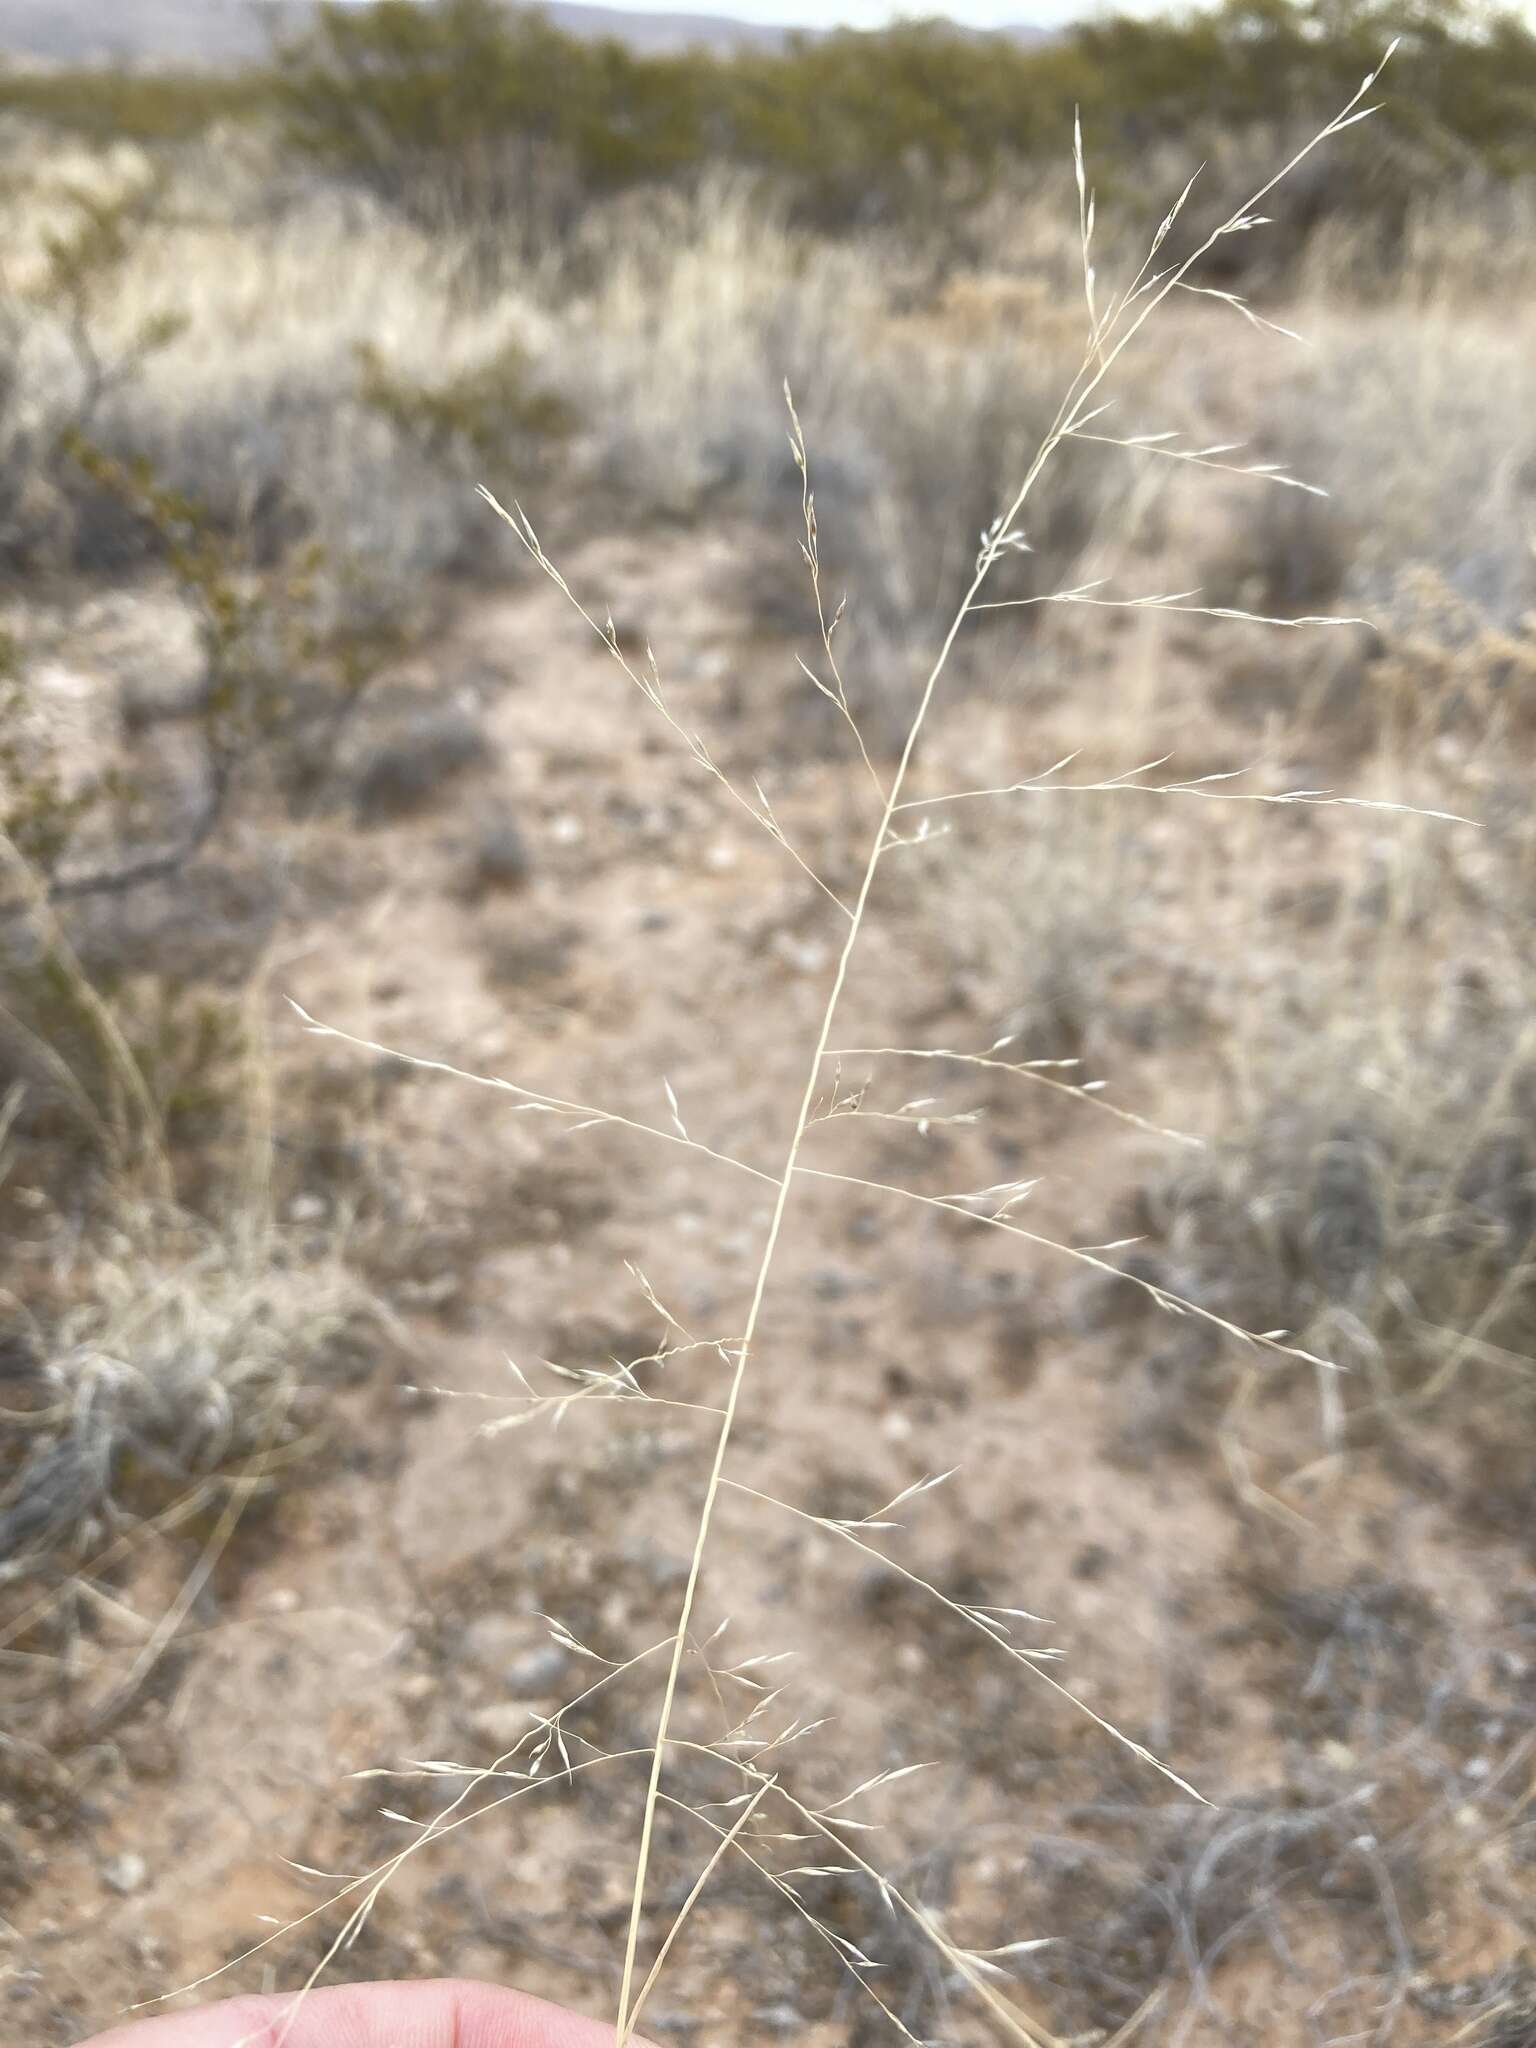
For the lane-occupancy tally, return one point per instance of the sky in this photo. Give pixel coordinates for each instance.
(866, 13)
(875, 13)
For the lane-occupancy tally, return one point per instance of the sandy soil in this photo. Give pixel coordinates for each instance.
(389, 1606)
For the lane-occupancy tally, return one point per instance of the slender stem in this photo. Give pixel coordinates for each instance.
(771, 1243)
(1091, 376)
(725, 1842)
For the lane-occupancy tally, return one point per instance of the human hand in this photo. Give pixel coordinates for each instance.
(446, 2014)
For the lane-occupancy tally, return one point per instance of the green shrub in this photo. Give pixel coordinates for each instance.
(492, 419)
(471, 109)
(137, 106)
(461, 97)
(459, 102)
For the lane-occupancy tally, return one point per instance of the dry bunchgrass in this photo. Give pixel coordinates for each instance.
(162, 1364)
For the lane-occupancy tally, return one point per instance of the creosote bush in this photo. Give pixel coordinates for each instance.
(492, 416)
(453, 107)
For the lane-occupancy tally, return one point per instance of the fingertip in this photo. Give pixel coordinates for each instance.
(437, 2013)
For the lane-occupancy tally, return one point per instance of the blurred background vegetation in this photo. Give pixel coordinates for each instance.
(464, 97)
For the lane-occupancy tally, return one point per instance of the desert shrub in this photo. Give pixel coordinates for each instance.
(115, 105)
(263, 412)
(866, 129)
(118, 1068)
(45, 795)
(464, 110)
(493, 418)
(58, 314)
(918, 120)
(459, 109)
(287, 655)
(1466, 81)
(146, 311)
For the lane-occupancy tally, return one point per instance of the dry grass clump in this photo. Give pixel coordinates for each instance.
(175, 1357)
(916, 410)
(94, 1073)
(294, 372)
(164, 1379)
(168, 1349)
(1166, 1911)
(1379, 388)
(1450, 674)
(1382, 1205)
(1327, 1902)
(1050, 931)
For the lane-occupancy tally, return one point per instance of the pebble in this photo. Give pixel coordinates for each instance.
(499, 1646)
(537, 1674)
(503, 1725)
(779, 2019)
(125, 1874)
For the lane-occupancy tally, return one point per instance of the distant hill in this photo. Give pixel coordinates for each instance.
(196, 33)
(203, 33)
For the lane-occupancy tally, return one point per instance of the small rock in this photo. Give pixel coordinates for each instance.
(830, 1283)
(501, 859)
(504, 1725)
(806, 956)
(499, 1646)
(779, 2019)
(492, 1642)
(1091, 1562)
(665, 1569)
(539, 1673)
(435, 1292)
(125, 1874)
